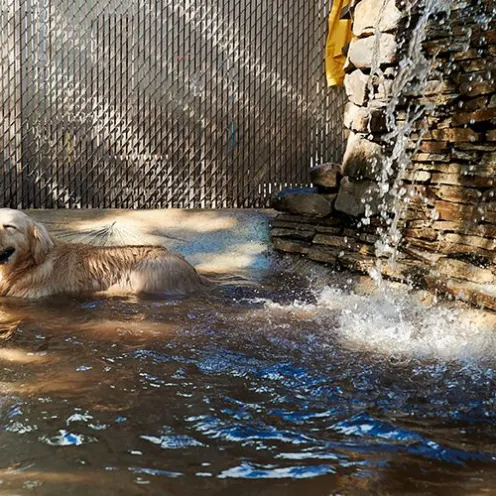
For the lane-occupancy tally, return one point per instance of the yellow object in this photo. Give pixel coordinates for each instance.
(338, 37)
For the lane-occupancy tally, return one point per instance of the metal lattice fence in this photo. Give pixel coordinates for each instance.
(163, 103)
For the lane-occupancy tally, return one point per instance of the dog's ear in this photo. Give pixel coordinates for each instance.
(40, 242)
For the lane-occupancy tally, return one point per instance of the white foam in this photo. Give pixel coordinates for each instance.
(398, 324)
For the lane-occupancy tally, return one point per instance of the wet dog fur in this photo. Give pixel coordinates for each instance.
(34, 264)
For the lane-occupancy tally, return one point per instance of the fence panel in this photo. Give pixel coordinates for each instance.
(164, 103)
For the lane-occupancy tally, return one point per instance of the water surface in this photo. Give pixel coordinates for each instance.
(272, 387)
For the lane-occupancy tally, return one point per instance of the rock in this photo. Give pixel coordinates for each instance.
(491, 135)
(381, 49)
(303, 201)
(357, 198)
(355, 85)
(466, 156)
(436, 87)
(363, 119)
(480, 115)
(472, 104)
(292, 233)
(326, 175)
(323, 254)
(462, 227)
(473, 241)
(362, 158)
(462, 270)
(471, 181)
(433, 146)
(351, 111)
(453, 44)
(430, 157)
(374, 14)
(383, 89)
(478, 168)
(304, 226)
(336, 241)
(417, 176)
(454, 135)
(456, 211)
(330, 221)
(457, 194)
(421, 232)
(291, 246)
(477, 88)
(480, 147)
(356, 261)
(474, 65)
(472, 53)
(470, 292)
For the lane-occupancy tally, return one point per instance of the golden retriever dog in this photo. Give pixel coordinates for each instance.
(33, 264)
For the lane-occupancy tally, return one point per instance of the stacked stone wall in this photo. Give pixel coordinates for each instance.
(448, 221)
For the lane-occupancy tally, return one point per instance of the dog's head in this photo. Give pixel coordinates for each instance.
(22, 239)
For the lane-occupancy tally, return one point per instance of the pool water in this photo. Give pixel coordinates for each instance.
(274, 388)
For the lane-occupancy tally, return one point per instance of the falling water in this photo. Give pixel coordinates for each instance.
(411, 78)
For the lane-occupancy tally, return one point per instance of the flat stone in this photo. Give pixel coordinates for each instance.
(472, 53)
(483, 114)
(380, 49)
(462, 270)
(421, 232)
(480, 147)
(471, 181)
(323, 254)
(452, 249)
(301, 219)
(491, 135)
(326, 175)
(328, 230)
(471, 105)
(357, 198)
(336, 241)
(303, 201)
(436, 87)
(355, 85)
(475, 65)
(291, 233)
(362, 158)
(456, 211)
(470, 292)
(457, 194)
(430, 157)
(417, 176)
(433, 146)
(473, 241)
(292, 225)
(477, 88)
(291, 246)
(462, 227)
(372, 15)
(479, 168)
(465, 156)
(440, 46)
(454, 135)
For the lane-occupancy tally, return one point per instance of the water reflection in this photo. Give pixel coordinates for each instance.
(248, 389)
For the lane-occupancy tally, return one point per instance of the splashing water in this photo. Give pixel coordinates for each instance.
(395, 324)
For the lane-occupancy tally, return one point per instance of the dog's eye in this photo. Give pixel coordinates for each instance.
(9, 226)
